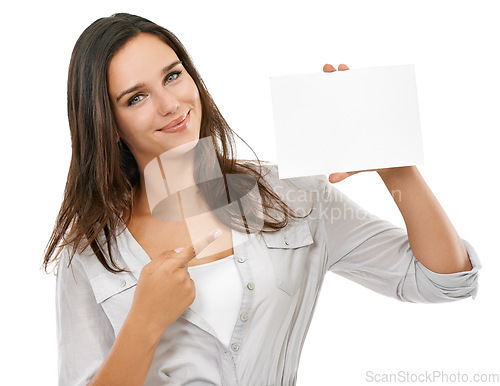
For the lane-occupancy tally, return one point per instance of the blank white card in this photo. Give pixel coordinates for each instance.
(346, 120)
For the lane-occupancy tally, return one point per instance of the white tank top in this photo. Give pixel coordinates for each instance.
(218, 295)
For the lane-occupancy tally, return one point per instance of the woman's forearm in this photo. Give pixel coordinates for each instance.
(432, 237)
(130, 358)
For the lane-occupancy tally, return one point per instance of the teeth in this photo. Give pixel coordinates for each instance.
(177, 124)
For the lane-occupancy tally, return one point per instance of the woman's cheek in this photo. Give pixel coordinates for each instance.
(136, 120)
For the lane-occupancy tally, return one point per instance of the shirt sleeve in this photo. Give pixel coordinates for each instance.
(377, 254)
(84, 334)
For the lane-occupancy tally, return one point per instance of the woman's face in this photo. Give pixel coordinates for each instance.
(149, 89)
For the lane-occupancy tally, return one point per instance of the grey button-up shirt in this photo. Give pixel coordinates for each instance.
(281, 276)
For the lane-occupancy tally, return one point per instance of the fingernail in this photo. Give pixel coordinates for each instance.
(178, 249)
(217, 234)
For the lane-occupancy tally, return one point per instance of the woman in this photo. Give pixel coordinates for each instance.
(155, 195)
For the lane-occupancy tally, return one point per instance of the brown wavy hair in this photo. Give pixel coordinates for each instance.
(103, 175)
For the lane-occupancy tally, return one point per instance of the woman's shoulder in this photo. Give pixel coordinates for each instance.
(300, 193)
(84, 258)
(296, 185)
(81, 270)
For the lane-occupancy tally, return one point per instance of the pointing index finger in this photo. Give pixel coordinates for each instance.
(188, 253)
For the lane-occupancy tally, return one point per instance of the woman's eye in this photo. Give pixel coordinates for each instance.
(134, 99)
(168, 79)
(169, 76)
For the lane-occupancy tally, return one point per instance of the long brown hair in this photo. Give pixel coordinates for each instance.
(103, 175)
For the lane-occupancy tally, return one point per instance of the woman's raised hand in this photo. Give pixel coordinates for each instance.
(165, 289)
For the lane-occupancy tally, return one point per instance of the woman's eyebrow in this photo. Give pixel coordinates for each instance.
(130, 90)
(170, 66)
(140, 85)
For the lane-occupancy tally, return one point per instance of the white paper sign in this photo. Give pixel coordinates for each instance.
(346, 120)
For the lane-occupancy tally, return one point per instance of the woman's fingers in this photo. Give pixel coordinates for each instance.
(188, 253)
(329, 68)
(337, 177)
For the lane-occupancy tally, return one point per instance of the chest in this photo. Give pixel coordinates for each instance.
(157, 236)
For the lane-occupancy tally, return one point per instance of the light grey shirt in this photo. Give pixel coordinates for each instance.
(281, 276)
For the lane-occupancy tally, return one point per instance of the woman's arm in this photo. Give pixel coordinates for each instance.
(164, 291)
(130, 358)
(377, 254)
(88, 350)
(432, 237)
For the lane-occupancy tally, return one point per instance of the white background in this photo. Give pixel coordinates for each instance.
(236, 47)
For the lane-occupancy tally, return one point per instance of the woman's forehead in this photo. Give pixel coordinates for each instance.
(143, 57)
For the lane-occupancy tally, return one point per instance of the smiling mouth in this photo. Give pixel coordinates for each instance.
(181, 124)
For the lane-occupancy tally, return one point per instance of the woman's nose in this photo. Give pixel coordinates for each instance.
(167, 103)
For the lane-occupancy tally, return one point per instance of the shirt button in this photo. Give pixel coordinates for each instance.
(241, 259)
(235, 346)
(250, 286)
(244, 317)
(286, 241)
(122, 283)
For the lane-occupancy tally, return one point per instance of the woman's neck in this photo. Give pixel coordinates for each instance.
(164, 179)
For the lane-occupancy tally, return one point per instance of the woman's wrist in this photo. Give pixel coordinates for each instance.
(137, 325)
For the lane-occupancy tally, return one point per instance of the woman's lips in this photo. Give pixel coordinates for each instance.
(178, 127)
